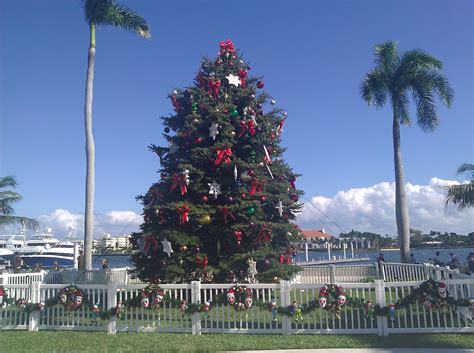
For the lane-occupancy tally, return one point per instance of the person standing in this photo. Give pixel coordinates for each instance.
(437, 259)
(412, 259)
(80, 260)
(105, 264)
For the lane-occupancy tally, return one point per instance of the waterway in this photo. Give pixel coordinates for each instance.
(421, 256)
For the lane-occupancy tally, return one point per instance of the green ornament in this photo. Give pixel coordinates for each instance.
(194, 106)
(234, 113)
(253, 153)
(250, 211)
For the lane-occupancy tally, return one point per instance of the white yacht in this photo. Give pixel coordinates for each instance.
(40, 242)
(13, 242)
(62, 253)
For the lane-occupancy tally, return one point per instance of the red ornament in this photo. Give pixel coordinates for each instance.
(260, 84)
(250, 172)
(204, 198)
(238, 238)
(205, 261)
(198, 140)
(244, 195)
(281, 259)
(263, 198)
(294, 197)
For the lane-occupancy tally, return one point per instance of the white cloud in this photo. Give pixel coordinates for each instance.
(113, 222)
(372, 209)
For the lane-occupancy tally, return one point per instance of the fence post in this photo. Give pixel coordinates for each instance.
(332, 274)
(34, 318)
(285, 302)
(112, 303)
(196, 299)
(382, 323)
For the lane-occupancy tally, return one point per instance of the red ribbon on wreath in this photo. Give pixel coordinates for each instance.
(226, 212)
(243, 77)
(183, 213)
(264, 234)
(245, 126)
(223, 154)
(213, 88)
(150, 242)
(226, 46)
(257, 186)
(175, 103)
(179, 179)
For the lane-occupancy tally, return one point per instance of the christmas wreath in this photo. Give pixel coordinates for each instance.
(70, 297)
(240, 297)
(332, 298)
(152, 297)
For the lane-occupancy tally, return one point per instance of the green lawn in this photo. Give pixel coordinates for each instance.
(54, 341)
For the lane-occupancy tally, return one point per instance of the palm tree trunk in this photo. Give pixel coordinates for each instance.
(401, 208)
(90, 156)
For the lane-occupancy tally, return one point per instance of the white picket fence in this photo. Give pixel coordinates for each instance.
(224, 319)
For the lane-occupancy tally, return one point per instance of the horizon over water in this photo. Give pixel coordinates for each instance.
(421, 256)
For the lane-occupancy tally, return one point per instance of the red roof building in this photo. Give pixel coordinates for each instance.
(313, 234)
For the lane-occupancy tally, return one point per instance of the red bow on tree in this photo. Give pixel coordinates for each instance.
(247, 125)
(281, 259)
(226, 46)
(223, 154)
(226, 212)
(150, 242)
(175, 103)
(257, 186)
(183, 213)
(213, 88)
(292, 182)
(243, 77)
(179, 179)
(264, 234)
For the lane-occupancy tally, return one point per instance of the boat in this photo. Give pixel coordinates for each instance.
(61, 254)
(13, 242)
(6, 257)
(40, 242)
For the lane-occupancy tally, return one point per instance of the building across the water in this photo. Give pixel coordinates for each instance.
(316, 239)
(108, 243)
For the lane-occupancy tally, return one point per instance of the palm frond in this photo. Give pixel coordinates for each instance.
(460, 196)
(5, 203)
(23, 221)
(8, 182)
(123, 17)
(401, 103)
(386, 55)
(465, 167)
(426, 113)
(442, 87)
(108, 12)
(373, 88)
(413, 59)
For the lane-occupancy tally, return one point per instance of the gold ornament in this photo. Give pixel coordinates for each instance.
(205, 219)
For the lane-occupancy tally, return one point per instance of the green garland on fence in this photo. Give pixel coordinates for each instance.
(332, 298)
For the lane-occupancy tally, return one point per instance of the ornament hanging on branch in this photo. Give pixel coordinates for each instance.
(226, 213)
(226, 48)
(181, 180)
(214, 189)
(245, 126)
(150, 244)
(233, 80)
(257, 186)
(213, 131)
(242, 77)
(205, 219)
(167, 247)
(264, 234)
(235, 173)
(296, 312)
(279, 207)
(238, 238)
(213, 88)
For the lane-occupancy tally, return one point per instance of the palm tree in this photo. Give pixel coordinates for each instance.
(100, 13)
(461, 195)
(6, 209)
(393, 78)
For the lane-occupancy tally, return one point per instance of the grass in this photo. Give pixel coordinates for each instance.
(56, 341)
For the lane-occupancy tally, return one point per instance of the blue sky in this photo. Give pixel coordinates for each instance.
(313, 55)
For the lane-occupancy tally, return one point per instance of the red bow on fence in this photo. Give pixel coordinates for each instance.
(183, 213)
(213, 88)
(223, 154)
(264, 234)
(247, 125)
(179, 179)
(257, 186)
(226, 46)
(243, 77)
(226, 212)
(150, 241)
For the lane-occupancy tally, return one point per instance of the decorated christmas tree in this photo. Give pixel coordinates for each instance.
(222, 209)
